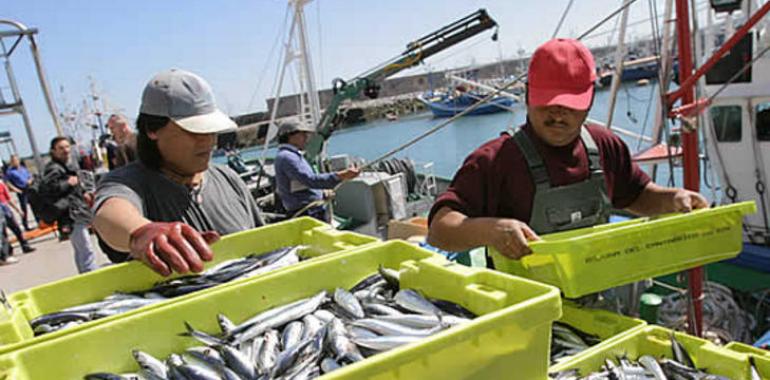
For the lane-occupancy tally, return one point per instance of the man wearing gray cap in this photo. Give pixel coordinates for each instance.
(167, 207)
(296, 182)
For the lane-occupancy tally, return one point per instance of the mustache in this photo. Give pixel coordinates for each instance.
(554, 122)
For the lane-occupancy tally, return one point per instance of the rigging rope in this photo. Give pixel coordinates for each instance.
(561, 21)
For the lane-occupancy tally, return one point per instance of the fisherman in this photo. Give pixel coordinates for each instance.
(298, 186)
(167, 207)
(555, 173)
(125, 141)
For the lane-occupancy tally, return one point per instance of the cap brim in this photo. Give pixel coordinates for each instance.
(577, 100)
(214, 122)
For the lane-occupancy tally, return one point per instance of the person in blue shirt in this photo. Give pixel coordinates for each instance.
(297, 184)
(18, 180)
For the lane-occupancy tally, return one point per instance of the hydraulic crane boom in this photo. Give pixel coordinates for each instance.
(369, 82)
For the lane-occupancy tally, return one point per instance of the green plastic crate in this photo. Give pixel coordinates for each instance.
(589, 260)
(655, 341)
(511, 335)
(749, 350)
(608, 326)
(15, 331)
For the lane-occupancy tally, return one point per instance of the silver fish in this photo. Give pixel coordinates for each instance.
(269, 353)
(239, 363)
(348, 302)
(296, 312)
(329, 364)
(292, 334)
(423, 321)
(360, 332)
(341, 346)
(411, 300)
(150, 364)
(207, 355)
(377, 309)
(201, 336)
(311, 325)
(390, 328)
(385, 343)
(652, 366)
(324, 315)
(225, 324)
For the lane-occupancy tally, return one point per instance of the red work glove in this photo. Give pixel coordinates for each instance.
(175, 246)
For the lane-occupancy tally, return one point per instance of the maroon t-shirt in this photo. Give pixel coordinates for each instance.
(495, 181)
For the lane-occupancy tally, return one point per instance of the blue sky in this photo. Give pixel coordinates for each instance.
(121, 44)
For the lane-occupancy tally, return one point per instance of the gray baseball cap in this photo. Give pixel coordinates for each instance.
(289, 127)
(186, 99)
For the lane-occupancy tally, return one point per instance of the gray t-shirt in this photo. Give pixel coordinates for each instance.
(222, 203)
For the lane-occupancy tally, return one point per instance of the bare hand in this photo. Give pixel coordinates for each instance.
(329, 194)
(510, 238)
(348, 173)
(686, 201)
(72, 180)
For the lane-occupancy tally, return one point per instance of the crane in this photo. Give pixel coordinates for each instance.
(368, 83)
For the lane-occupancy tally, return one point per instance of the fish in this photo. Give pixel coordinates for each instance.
(269, 354)
(301, 339)
(298, 311)
(150, 364)
(329, 365)
(122, 302)
(238, 362)
(384, 343)
(341, 346)
(411, 300)
(348, 302)
(292, 334)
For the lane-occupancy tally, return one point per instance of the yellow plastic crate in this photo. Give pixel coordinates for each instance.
(510, 336)
(655, 341)
(608, 326)
(15, 330)
(590, 260)
(749, 350)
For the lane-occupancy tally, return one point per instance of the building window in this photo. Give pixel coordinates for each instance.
(762, 120)
(727, 123)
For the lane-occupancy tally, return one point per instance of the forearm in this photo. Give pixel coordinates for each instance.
(115, 220)
(453, 231)
(654, 200)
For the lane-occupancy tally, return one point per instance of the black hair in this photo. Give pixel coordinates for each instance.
(147, 148)
(57, 140)
(284, 139)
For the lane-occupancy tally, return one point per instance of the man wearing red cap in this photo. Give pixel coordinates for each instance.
(555, 173)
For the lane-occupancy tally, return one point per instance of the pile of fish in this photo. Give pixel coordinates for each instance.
(307, 338)
(249, 266)
(648, 367)
(567, 341)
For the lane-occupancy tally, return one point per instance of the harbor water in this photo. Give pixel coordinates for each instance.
(447, 148)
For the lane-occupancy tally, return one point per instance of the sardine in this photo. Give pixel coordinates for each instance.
(292, 334)
(239, 363)
(411, 300)
(269, 353)
(341, 346)
(348, 302)
(385, 343)
(150, 364)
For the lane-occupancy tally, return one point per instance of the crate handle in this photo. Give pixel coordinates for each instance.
(487, 292)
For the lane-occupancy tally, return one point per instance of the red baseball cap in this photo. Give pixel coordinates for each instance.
(562, 72)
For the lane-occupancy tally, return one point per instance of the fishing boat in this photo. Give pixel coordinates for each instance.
(446, 105)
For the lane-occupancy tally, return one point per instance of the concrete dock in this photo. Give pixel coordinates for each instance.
(53, 260)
